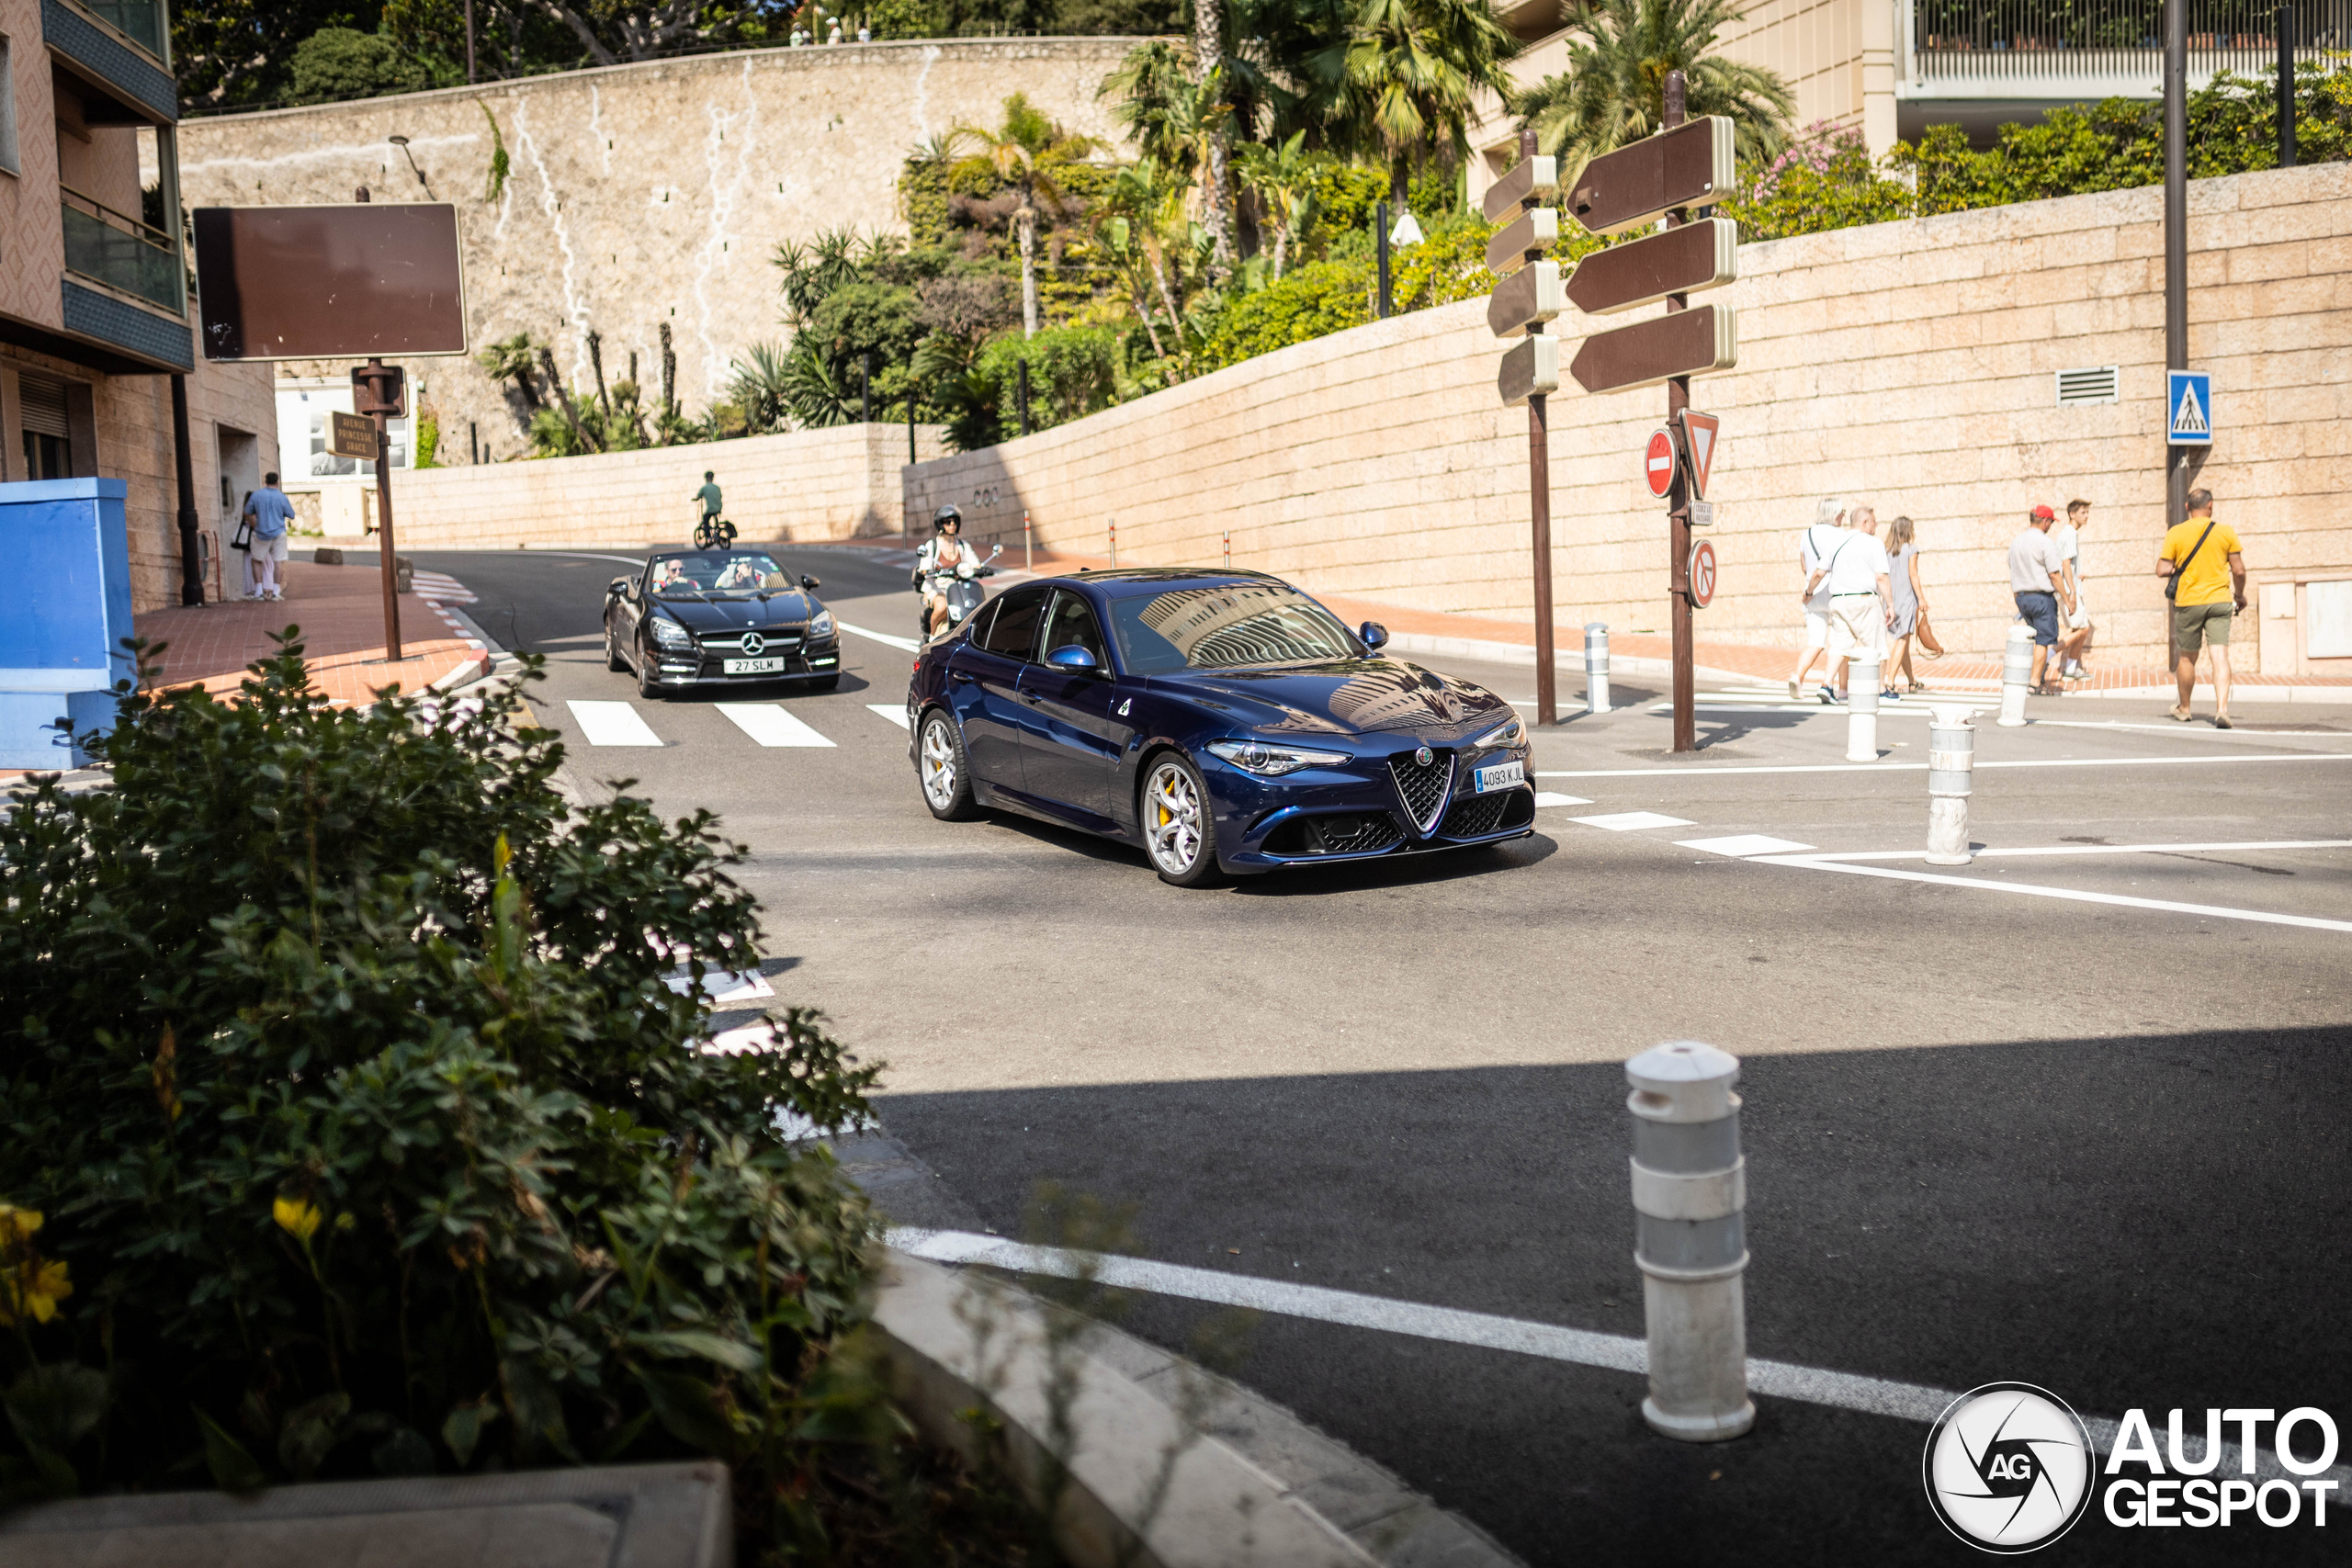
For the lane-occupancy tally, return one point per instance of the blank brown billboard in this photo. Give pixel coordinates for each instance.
(330, 282)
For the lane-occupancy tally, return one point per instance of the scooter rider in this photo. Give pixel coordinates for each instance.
(937, 562)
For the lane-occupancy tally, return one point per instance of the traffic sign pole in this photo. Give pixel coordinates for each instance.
(383, 390)
(1678, 398)
(1539, 496)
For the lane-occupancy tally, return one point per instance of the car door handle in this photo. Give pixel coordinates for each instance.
(1031, 698)
(961, 677)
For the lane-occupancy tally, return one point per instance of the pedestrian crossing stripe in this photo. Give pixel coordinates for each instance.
(610, 724)
(895, 712)
(770, 724)
(766, 724)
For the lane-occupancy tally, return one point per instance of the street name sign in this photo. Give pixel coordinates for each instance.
(1687, 343)
(1687, 166)
(1642, 272)
(1703, 574)
(1703, 515)
(351, 436)
(1530, 180)
(1530, 295)
(1699, 432)
(1536, 230)
(1530, 369)
(2188, 400)
(1657, 462)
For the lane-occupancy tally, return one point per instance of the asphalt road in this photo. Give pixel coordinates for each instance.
(1992, 1135)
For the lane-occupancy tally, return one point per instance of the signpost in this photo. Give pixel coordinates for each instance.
(1685, 165)
(1529, 296)
(349, 435)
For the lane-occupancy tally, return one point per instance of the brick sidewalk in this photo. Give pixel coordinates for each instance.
(340, 612)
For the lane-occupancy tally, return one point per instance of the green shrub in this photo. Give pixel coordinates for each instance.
(1073, 372)
(366, 1135)
(335, 64)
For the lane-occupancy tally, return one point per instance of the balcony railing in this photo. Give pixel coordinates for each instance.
(141, 21)
(2038, 46)
(122, 252)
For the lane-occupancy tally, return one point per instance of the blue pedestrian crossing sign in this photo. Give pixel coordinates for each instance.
(2189, 402)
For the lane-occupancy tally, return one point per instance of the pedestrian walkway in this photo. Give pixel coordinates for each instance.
(616, 723)
(340, 612)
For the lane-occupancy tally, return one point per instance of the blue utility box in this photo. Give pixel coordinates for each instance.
(60, 641)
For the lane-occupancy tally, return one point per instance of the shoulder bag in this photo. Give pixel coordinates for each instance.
(2172, 584)
(244, 537)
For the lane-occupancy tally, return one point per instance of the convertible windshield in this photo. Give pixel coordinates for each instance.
(699, 572)
(1225, 628)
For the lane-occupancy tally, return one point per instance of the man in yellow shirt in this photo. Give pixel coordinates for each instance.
(2208, 571)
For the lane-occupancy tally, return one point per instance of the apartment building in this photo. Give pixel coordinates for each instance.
(1891, 68)
(95, 308)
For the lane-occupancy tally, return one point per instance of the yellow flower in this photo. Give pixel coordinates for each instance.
(297, 1219)
(16, 1224)
(33, 1289)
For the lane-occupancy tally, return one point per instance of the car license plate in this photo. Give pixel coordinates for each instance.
(1502, 775)
(753, 666)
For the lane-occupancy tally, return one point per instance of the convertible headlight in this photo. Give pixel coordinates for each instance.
(1273, 761)
(821, 628)
(669, 634)
(1511, 734)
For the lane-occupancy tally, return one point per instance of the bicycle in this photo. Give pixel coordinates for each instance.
(714, 534)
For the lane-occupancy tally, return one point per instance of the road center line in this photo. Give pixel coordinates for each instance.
(2102, 849)
(905, 644)
(1921, 767)
(2207, 911)
(1579, 1346)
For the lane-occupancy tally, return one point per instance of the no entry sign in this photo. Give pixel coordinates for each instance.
(1657, 463)
(1703, 574)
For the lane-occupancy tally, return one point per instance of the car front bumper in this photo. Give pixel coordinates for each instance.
(689, 667)
(1356, 811)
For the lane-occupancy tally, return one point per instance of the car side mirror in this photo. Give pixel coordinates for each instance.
(1074, 658)
(616, 588)
(1374, 636)
(810, 584)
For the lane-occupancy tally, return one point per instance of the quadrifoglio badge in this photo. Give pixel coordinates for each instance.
(2009, 1468)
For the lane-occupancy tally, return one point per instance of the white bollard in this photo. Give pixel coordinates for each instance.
(1861, 710)
(1596, 667)
(1951, 765)
(2017, 674)
(1689, 1194)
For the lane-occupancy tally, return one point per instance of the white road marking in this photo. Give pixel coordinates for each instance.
(2264, 736)
(610, 724)
(904, 643)
(591, 554)
(1553, 797)
(770, 724)
(1578, 1346)
(1921, 767)
(2205, 912)
(1632, 822)
(897, 714)
(2104, 849)
(718, 986)
(1742, 844)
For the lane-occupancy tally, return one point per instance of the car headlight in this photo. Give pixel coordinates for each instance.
(1273, 761)
(1511, 733)
(821, 628)
(669, 634)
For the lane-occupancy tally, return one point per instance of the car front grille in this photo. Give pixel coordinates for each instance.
(730, 645)
(1423, 789)
(1356, 835)
(1474, 818)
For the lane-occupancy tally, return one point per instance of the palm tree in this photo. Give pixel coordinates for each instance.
(1208, 75)
(1283, 179)
(1027, 152)
(1139, 207)
(1613, 92)
(1400, 85)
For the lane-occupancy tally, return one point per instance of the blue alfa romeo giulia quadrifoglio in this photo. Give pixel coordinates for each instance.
(1223, 721)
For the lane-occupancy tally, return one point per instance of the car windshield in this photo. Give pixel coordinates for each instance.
(1226, 627)
(710, 573)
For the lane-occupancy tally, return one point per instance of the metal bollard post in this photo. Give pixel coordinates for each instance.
(1952, 763)
(1861, 710)
(1690, 1192)
(1028, 552)
(1114, 542)
(1596, 667)
(2017, 674)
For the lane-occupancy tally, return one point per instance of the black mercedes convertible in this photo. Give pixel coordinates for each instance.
(720, 618)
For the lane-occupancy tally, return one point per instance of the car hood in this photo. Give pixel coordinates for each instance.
(1352, 697)
(741, 614)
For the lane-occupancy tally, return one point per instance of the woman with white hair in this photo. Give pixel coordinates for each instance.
(1813, 549)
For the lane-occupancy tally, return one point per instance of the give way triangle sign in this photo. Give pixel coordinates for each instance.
(1699, 440)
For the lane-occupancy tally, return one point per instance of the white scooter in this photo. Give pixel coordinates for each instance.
(961, 590)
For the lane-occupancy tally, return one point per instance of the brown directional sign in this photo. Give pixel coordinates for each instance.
(326, 282)
(1532, 180)
(351, 436)
(1525, 298)
(1642, 272)
(1530, 369)
(1687, 166)
(1536, 230)
(1685, 342)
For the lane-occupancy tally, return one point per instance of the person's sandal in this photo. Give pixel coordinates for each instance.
(2221, 721)
(2178, 715)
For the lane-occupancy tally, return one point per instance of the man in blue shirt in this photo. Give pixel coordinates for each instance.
(272, 514)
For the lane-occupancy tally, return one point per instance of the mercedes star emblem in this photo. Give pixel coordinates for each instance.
(754, 643)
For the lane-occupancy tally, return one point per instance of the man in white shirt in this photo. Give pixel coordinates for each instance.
(2074, 625)
(1828, 528)
(1862, 600)
(2038, 583)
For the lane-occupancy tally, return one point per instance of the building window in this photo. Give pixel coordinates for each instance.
(49, 441)
(8, 109)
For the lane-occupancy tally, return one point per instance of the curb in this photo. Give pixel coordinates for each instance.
(1524, 654)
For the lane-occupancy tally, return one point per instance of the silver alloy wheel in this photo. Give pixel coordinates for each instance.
(1171, 813)
(939, 777)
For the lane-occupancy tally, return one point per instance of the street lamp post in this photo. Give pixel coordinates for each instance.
(2175, 236)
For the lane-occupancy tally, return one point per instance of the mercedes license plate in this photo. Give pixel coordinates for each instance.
(1502, 775)
(755, 666)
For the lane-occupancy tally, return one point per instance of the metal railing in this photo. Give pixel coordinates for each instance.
(121, 252)
(141, 21)
(1980, 40)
